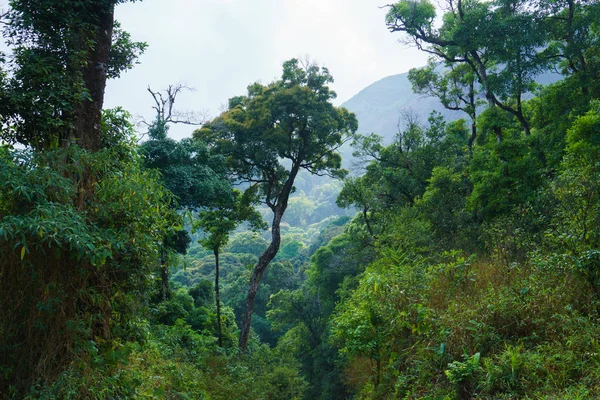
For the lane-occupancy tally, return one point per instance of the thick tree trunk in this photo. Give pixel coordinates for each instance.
(88, 113)
(218, 298)
(266, 257)
(87, 116)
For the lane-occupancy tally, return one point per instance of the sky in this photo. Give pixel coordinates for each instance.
(219, 47)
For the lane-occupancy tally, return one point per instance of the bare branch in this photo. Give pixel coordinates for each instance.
(3, 16)
(190, 117)
(164, 102)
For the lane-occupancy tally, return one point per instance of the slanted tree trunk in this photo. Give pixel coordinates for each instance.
(218, 298)
(259, 270)
(266, 257)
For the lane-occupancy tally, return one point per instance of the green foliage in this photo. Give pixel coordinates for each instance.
(218, 222)
(117, 131)
(123, 52)
(299, 210)
(73, 272)
(339, 260)
(474, 254)
(246, 243)
(398, 174)
(417, 15)
(577, 189)
(202, 293)
(455, 87)
(502, 62)
(443, 206)
(504, 175)
(301, 316)
(404, 328)
(179, 363)
(532, 200)
(462, 374)
(189, 170)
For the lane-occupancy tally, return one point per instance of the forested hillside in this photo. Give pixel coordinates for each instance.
(459, 260)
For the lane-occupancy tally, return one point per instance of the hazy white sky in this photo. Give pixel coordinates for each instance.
(219, 47)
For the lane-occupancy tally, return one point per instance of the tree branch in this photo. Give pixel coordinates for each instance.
(164, 102)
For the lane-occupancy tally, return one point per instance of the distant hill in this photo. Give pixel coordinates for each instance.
(378, 106)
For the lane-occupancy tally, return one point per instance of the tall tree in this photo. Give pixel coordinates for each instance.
(63, 55)
(272, 133)
(573, 29)
(504, 56)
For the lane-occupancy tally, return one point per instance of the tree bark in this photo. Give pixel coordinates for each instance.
(218, 298)
(88, 113)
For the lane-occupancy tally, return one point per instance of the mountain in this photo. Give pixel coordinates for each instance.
(378, 107)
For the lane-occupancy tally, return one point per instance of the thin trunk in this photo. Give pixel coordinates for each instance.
(164, 275)
(519, 111)
(217, 297)
(473, 136)
(479, 68)
(473, 115)
(367, 223)
(266, 257)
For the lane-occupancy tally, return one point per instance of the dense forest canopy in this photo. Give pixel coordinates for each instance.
(459, 260)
